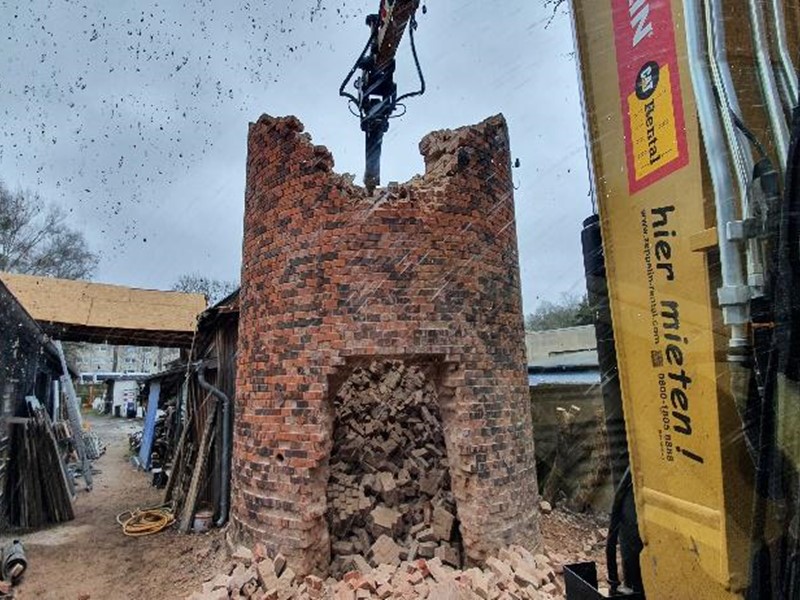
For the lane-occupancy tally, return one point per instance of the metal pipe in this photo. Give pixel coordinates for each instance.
(225, 475)
(769, 90)
(733, 295)
(74, 416)
(740, 148)
(14, 562)
(785, 57)
(783, 85)
(726, 92)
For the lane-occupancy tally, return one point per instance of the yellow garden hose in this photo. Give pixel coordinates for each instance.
(146, 521)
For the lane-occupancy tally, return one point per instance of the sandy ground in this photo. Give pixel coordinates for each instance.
(91, 558)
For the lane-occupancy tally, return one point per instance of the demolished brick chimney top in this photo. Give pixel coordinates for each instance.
(445, 152)
(423, 276)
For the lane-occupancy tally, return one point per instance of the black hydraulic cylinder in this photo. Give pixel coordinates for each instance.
(597, 290)
(623, 517)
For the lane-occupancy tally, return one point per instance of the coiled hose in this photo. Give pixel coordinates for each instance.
(146, 521)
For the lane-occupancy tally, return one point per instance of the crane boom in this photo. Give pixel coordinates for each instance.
(394, 15)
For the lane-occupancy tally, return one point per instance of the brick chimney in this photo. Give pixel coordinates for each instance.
(425, 272)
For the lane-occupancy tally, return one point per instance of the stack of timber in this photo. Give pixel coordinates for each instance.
(37, 487)
(5, 447)
(389, 497)
(95, 448)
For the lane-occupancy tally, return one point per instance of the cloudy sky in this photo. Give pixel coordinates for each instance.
(133, 116)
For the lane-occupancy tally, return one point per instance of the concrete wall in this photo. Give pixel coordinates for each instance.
(554, 342)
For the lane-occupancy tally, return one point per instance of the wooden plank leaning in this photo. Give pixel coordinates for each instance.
(74, 415)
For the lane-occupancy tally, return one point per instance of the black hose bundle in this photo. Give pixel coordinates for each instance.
(614, 529)
(787, 344)
(623, 532)
(774, 569)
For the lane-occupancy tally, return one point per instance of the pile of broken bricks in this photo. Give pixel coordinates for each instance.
(514, 574)
(391, 514)
(389, 497)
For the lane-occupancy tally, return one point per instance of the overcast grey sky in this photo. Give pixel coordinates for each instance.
(133, 115)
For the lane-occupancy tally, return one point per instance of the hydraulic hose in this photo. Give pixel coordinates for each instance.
(787, 335)
(769, 90)
(225, 475)
(739, 149)
(597, 293)
(734, 294)
(787, 66)
(726, 92)
(778, 358)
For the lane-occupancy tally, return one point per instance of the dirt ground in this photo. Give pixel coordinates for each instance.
(91, 558)
(572, 538)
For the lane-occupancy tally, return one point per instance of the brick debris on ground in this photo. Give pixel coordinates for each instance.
(513, 573)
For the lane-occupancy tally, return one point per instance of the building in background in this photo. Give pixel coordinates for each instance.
(109, 376)
(568, 418)
(106, 358)
(565, 356)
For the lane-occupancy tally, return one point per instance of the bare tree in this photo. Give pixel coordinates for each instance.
(35, 239)
(570, 311)
(214, 289)
(554, 5)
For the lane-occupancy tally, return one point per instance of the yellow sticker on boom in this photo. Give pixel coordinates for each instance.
(653, 129)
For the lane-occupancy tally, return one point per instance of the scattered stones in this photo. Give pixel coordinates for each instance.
(237, 578)
(385, 551)
(384, 521)
(243, 554)
(266, 574)
(515, 573)
(279, 563)
(448, 555)
(443, 523)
